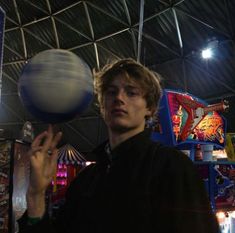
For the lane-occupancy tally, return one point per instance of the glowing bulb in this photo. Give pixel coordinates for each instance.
(207, 53)
(220, 215)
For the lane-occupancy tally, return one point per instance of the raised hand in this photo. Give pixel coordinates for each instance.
(43, 162)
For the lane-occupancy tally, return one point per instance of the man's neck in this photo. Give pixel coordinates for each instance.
(116, 138)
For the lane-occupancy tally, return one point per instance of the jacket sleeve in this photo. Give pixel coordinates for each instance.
(44, 225)
(181, 202)
(68, 214)
(47, 224)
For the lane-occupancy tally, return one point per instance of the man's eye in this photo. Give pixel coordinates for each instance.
(133, 93)
(111, 92)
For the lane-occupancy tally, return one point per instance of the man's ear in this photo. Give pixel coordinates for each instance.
(148, 115)
(150, 112)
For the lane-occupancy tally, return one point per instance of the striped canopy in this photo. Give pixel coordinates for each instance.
(67, 154)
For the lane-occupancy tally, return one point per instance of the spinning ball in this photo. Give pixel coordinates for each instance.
(56, 86)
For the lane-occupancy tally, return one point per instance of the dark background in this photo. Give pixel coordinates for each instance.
(173, 35)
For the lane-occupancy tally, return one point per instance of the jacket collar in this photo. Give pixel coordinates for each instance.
(132, 145)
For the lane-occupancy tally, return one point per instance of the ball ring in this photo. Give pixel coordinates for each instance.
(49, 152)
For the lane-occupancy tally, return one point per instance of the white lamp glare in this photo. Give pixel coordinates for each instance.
(207, 53)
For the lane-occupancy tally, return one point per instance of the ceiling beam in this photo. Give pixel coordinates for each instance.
(53, 24)
(203, 23)
(112, 34)
(92, 35)
(36, 6)
(12, 50)
(81, 46)
(154, 15)
(109, 51)
(107, 13)
(141, 23)
(213, 76)
(13, 112)
(179, 36)
(160, 43)
(80, 135)
(21, 29)
(229, 18)
(127, 12)
(38, 38)
(14, 62)
(10, 78)
(72, 28)
(36, 21)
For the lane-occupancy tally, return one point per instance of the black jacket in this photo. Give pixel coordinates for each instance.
(146, 188)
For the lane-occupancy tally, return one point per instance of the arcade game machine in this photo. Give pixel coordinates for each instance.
(198, 129)
(188, 123)
(224, 190)
(230, 146)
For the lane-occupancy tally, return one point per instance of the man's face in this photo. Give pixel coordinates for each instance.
(124, 107)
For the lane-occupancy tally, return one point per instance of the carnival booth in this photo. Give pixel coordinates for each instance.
(70, 162)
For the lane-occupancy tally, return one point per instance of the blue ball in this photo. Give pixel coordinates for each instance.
(56, 86)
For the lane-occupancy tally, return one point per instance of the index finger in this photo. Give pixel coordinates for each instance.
(48, 139)
(38, 140)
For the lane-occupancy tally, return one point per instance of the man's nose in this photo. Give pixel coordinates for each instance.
(120, 95)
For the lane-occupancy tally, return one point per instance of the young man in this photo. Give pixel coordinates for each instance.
(136, 185)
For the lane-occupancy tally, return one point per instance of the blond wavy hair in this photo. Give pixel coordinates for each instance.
(132, 71)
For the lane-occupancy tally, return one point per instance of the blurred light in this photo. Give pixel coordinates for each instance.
(87, 163)
(207, 53)
(220, 215)
(211, 49)
(232, 214)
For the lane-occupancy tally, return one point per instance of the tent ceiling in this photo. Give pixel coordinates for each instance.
(168, 39)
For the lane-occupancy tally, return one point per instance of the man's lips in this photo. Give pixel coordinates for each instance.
(118, 111)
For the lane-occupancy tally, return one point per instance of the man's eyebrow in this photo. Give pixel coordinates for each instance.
(111, 86)
(132, 86)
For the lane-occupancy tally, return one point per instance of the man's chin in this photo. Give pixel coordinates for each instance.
(118, 128)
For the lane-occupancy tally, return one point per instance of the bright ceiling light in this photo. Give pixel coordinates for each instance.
(207, 53)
